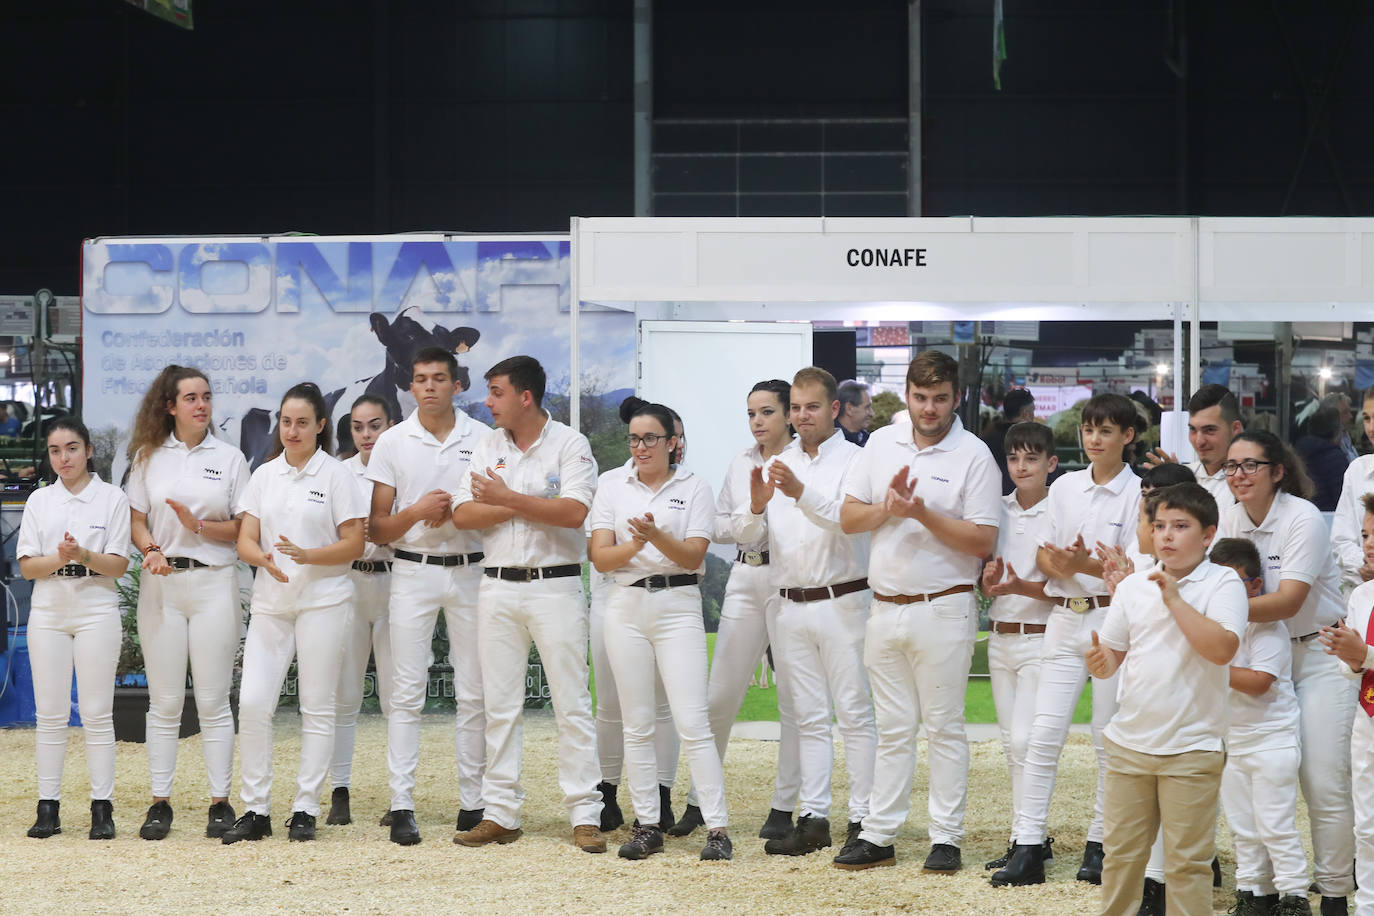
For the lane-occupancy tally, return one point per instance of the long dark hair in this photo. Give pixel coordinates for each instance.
(310, 393)
(152, 423)
(1278, 454)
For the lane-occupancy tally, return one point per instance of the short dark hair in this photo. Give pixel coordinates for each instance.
(524, 373)
(1238, 553)
(851, 392)
(1017, 400)
(778, 388)
(1192, 498)
(930, 368)
(815, 375)
(1029, 436)
(1325, 422)
(1215, 395)
(1118, 410)
(1166, 475)
(436, 355)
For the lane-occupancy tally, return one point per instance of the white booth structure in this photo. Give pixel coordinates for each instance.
(715, 298)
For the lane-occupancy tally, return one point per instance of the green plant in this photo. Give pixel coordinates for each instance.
(130, 650)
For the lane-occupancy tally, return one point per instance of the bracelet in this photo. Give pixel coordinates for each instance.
(151, 548)
(200, 526)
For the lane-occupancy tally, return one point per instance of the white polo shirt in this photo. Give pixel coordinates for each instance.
(1170, 699)
(209, 479)
(1359, 609)
(1100, 512)
(306, 507)
(409, 459)
(1018, 539)
(733, 492)
(558, 465)
(1348, 522)
(1213, 483)
(684, 507)
(1270, 720)
(97, 517)
(1293, 543)
(371, 552)
(956, 476)
(808, 548)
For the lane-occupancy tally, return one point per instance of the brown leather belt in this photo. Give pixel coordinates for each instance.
(825, 592)
(1028, 629)
(1083, 605)
(914, 599)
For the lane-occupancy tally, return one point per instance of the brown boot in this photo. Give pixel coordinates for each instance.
(588, 838)
(488, 832)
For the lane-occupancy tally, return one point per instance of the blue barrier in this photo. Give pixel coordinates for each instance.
(16, 700)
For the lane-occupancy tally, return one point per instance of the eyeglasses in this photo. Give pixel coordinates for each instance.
(648, 441)
(1246, 468)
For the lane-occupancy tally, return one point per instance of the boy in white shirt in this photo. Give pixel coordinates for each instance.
(1350, 642)
(1020, 609)
(1259, 787)
(1172, 631)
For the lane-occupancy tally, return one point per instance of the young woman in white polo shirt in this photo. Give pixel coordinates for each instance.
(185, 494)
(73, 542)
(651, 526)
(369, 630)
(1302, 588)
(748, 614)
(302, 527)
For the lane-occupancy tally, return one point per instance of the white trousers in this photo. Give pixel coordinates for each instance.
(368, 633)
(823, 644)
(190, 614)
(1362, 773)
(1014, 670)
(271, 643)
(1259, 791)
(1328, 701)
(552, 613)
(418, 592)
(1063, 674)
(74, 624)
(918, 656)
(663, 631)
(748, 625)
(610, 730)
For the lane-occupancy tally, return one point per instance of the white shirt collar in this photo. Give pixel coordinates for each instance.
(1116, 484)
(87, 492)
(312, 465)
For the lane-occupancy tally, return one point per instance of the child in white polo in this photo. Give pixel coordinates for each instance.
(1172, 631)
(1259, 787)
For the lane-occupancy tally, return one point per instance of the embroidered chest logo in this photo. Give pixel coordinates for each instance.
(316, 496)
(1275, 557)
(675, 503)
(501, 463)
(939, 478)
(216, 473)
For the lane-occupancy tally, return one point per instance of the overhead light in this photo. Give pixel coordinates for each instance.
(1325, 373)
(1161, 368)
(4, 357)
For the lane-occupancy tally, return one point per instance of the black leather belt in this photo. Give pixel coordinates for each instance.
(74, 571)
(659, 583)
(825, 592)
(185, 563)
(439, 559)
(1306, 638)
(752, 557)
(372, 566)
(531, 573)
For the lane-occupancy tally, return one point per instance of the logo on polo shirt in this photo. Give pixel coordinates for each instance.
(1274, 556)
(675, 503)
(1116, 524)
(553, 486)
(213, 473)
(316, 496)
(97, 527)
(939, 478)
(585, 459)
(465, 453)
(501, 463)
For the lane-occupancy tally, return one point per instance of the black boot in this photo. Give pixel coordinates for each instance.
(48, 822)
(221, 817)
(611, 815)
(810, 834)
(691, 820)
(1334, 906)
(1247, 904)
(339, 812)
(1291, 905)
(249, 827)
(1152, 899)
(851, 836)
(302, 827)
(1026, 866)
(777, 825)
(1001, 861)
(158, 823)
(469, 818)
(1091, 869)
(666, 820)
(102, 819)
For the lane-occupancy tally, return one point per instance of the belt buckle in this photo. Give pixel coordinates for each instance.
(1079, 605)
(529, 574)
(655, 583)
(367, 566)
(753, 558)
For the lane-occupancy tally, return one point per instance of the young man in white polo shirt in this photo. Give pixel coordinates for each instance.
(1213, 421)
(824, 589)
(1092, 508)
(1345, 527)
(1172, 631)
(931, 495)
(528, 493)
(414, 468)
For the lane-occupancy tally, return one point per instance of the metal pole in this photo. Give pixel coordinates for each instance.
(644, 105)
(574, 344)
(913, 108)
